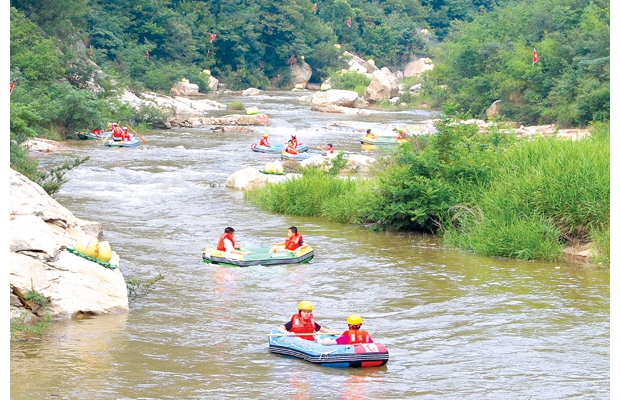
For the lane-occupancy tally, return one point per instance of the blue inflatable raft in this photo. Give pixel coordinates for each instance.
(363, 355)
(276, 148)
(133, 142)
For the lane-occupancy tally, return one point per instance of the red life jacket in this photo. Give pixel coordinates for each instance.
(329, 150)
(96, 131)
(358, 336)
(299, 327)
(294, 242)
(295, 144)
(117, 133)
(220, 243)
(264, 141)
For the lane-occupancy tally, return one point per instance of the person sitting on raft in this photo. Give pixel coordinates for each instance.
(327, 150)
(370, 135)
(401, 135)
(294, 140)
(290, 148)
(352, 336)
(96, 131)
(303, 322)
(126, 134)
(264, 140)
(227, 242)
(117, 132)
(293, 242)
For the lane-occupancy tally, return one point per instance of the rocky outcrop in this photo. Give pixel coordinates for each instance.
(300, 74)
(250, 92)
(417, 67)
(174, 105)
(185, 89)
(494, 110)
(234, 119)
(40, 231)
(358, 64)
(251, 178)
(383, 86)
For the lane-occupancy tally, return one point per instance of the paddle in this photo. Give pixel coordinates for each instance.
(134, 131)
(303, 334)
(242, 249)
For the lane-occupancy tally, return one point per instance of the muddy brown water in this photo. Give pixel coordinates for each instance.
(457, 325)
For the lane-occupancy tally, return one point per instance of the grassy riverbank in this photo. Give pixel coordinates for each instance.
(486, 192)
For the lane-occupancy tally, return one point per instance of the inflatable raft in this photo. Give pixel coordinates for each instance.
(381, 141)
(276, 148)
(260, 256)
(92, 136)
(298, 157)
(336, 355)
(133, 142)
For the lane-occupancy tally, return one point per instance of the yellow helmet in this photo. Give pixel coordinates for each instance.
(265, 135)
(354, 319)
(305, 305)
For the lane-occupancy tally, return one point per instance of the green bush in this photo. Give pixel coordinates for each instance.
(236, 105)
(350, 80)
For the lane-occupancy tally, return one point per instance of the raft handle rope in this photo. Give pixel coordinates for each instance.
(102, 263)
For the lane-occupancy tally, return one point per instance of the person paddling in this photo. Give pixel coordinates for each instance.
(117, 132)
(290, 148)
(303, 322)
(291, 243)
(370, 135)
(352, 336)
(328, 150)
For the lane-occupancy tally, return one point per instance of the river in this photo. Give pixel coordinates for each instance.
(457, 325)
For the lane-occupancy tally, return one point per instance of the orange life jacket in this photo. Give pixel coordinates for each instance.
(220, 243)
(291, 150)
(294, 242)
(298, 326)
(358, 336)
(295, 144)
(264, 141)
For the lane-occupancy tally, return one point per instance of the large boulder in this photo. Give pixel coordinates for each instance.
(383, 86)
(213, 83)
(250, 92)
(40, 231)
(251, 178)
(358, 64)
(417, 67)
(185, 89)
(495, 109)
(300, 74)
(337, 97)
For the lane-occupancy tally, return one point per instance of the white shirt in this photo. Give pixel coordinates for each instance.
(228, 245)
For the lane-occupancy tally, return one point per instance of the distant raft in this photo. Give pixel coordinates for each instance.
(362, 355)
(381, 141)
(298, 157)
(92, 136)
(260, 256)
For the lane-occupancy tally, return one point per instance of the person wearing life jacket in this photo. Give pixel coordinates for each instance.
(352, 336)
(293, 242)
(290, 148)
(328, 150)
(96, 131)
(126, 134)
(294, 140)
(370, 135)
(117, 132)
(303, 323)
(264, 140)
(227, 243)
(401, 135)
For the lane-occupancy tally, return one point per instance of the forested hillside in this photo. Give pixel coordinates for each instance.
(482, 50)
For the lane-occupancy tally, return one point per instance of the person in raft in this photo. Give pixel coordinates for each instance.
(293, 242)
(352, 336)
(96, 131)
(117, 132)
(370, 135)
(328, 150)
(401, 135)
(302, 322)
(290, 148)
(126, 134)
(264, 140)
(294, 140)
(227, 242)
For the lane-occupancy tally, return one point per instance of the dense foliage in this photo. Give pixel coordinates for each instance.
(492, 59)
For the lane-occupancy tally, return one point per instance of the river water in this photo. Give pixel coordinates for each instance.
(457, 325)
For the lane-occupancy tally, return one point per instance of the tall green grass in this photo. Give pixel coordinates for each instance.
(315, 193)
(544, 193)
